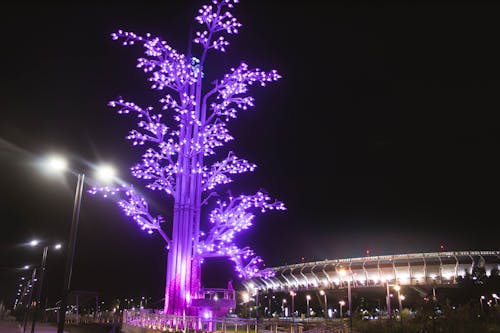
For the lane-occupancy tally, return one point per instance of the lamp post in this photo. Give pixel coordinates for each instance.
(343, 273)
(292, 293)
(59, 164)
(40, 281)
(283, 302)
(481, 299)
(308, 312)
(30, 288)
(401, 299)
(388, 300)
(323, 293)
(71, 252)
(246, 298)
(341, 303)
(398, 289)
(495, 296)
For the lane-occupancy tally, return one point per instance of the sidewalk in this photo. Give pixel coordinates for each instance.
(9, 325)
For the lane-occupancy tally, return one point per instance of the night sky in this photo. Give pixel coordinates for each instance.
(383, 133)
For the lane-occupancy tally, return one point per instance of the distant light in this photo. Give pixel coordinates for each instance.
(57, 246)
(26, 267)
(308, 297)
(321, 292)
(34, 242)
(397, 288)
(55, 163)
(105, 173)
(342, 303)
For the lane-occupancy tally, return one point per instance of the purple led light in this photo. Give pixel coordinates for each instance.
(179, 159)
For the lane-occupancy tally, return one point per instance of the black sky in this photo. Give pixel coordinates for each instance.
(383, 133)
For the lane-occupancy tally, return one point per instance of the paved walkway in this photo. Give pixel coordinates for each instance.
(9, 325)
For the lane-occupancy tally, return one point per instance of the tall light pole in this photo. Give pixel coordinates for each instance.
(481, 299)
(388, 300)
(59, 164)
(246, 298)
(495, 296)
(283, 302)
(40, 281)
(343, 273)
(341, 303)
(323, 293)
(70, 252)
(308, 312)
(398, 289)
(401, 299)
(292, 293)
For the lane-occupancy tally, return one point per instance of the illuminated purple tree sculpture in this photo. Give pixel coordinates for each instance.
(178, 159)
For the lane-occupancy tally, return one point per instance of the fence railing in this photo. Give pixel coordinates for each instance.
(192, 324)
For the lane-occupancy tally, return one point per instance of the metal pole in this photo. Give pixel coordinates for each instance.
(326, 307)
(307, 310)
(30, 298)
(349, 301)
(39, 288)
(293, 305)
(70, 253)
(388, 299)
(400, 304)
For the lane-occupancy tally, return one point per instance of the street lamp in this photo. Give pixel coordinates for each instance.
(387, 298)
(495, 296)
(246, 298)
(58, 164)
(341, 303)
(308, 312)
(283, 302)
(481, 299)
(40, 282)
(343, 273)
(322, 292)
(398, 289)
(292, 293)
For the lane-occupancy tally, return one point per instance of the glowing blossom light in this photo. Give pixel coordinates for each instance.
(179, 159)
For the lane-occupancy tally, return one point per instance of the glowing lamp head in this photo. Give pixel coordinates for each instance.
(342, 272)
(57, 246)
(342, 303)
(26, 267)
(402, 297)
(308, 297)
(397, 288)
(246, 297)
(321, 292)
(34, 242)
(55, 164)
(105, 173)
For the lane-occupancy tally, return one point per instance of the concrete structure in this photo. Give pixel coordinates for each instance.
(437, 268)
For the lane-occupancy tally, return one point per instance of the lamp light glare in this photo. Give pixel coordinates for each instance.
(56, 163)
(105, 173)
